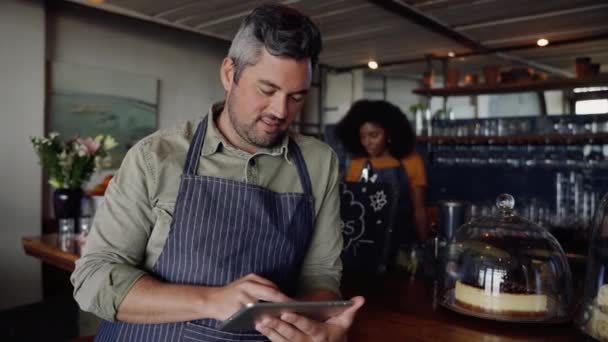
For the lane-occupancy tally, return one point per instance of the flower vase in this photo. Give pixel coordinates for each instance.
(66, 204)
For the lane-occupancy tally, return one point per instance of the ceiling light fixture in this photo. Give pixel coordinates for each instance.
(372, 65)
(542, 42)
(451, 54)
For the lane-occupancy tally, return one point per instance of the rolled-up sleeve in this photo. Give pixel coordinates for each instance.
(322, 267)
(113, 255)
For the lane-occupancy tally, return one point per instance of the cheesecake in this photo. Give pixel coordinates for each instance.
(597, 325)
(510, 301)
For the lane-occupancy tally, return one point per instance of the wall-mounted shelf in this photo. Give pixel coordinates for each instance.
(559, 139)
(549, 84)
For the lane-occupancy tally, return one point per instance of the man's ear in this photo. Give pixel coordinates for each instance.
(227, 73)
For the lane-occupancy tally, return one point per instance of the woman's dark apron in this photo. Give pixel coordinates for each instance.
(223, 230)
(404, 232)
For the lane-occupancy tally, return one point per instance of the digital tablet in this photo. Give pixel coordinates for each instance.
(246, 318)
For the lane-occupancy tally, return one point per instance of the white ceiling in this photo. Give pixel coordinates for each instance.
(356, 31)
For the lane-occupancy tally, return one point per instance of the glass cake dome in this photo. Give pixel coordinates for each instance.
(504, 267)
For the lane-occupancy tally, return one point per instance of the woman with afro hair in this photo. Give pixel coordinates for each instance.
(381, 142)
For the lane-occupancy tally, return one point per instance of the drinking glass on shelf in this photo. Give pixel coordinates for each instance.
(529, 155)
(485, 128)
(65, 238)
(66, 242)
(524, 126)
(560, 127)
(501, 129)
(85, 225)
(66, 226)
(512, 127)
(574, 156)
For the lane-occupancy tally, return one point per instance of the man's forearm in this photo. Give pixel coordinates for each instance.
(153, 301)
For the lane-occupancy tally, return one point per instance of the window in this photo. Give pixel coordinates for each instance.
(591, 106)
(592, 100)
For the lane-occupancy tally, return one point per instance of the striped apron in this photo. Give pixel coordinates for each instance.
(223, 230)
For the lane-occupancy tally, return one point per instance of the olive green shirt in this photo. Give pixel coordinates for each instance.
(132, 224)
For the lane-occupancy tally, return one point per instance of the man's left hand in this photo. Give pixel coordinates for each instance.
(295, 328)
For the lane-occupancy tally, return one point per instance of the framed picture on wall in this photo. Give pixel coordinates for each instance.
(87, 101)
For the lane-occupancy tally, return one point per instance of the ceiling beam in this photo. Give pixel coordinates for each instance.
(552, 43)
(140, 16)
(177, 9)
(354, 33)
(236, 16)
(449, 4)
(339, 11)
(410, 13)
(383, 64)
(584, 39)
(579, 32)
(533, 64)
(484, 24)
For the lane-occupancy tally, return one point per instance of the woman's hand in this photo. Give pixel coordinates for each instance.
(295, 328)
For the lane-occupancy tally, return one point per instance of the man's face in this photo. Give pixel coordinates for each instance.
(267, 98)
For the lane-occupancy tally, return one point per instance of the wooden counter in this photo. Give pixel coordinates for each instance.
(397, 308)
(52, 250)
(401, 309)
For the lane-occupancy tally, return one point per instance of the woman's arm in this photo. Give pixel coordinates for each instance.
(414, 165)
(420, 220)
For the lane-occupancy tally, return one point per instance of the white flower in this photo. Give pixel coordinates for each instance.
(54, 183)
(97, 161)
(53, 135)
(63, 155)
(82, 151)
(109, 143)
(65, 161)
(106, 162)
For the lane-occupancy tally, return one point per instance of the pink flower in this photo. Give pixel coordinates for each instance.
(88, 147)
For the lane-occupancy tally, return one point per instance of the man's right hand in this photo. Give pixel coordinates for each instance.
(223, 302)
(152, 301)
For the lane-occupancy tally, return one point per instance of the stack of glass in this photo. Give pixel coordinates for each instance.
(593, 316)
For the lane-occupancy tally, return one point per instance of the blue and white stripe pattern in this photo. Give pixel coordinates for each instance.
(223, 230)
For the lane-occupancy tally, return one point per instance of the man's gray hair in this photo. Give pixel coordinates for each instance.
(283, 31)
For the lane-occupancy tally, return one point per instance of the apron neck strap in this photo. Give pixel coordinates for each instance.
(301, 166)
(194, 152)
(194, 155)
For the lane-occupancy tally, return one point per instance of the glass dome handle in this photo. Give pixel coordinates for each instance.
(505, 202)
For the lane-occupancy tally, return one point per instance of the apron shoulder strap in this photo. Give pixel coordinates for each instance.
(301, 167)
(196, 145)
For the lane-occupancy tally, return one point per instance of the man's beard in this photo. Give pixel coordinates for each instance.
(248, 131)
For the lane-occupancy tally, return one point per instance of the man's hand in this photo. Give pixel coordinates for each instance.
(223, 302)
(295, 328)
